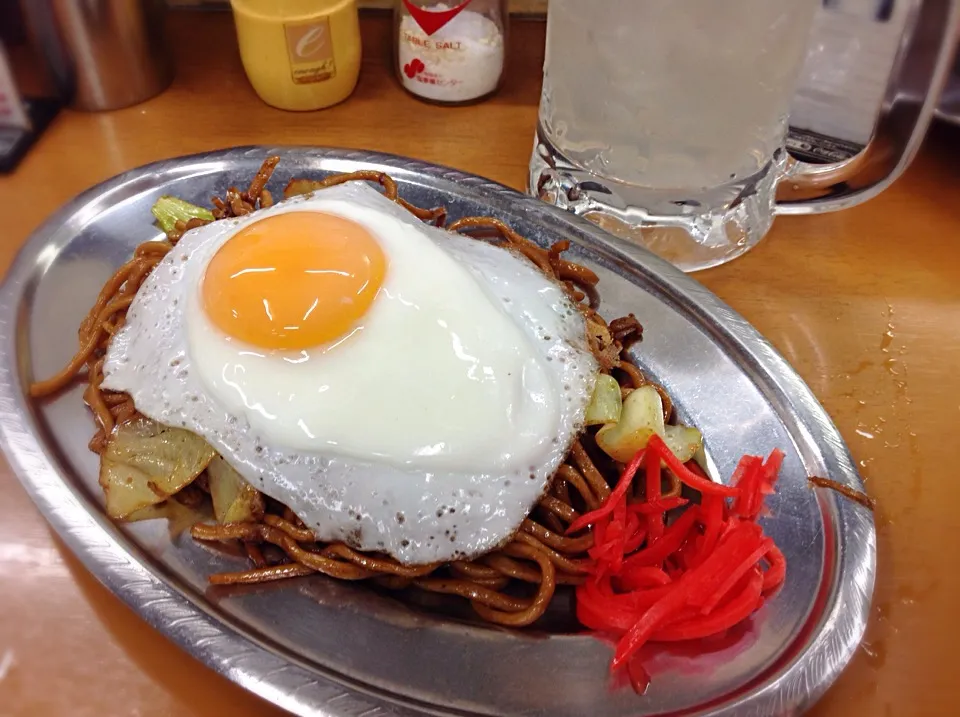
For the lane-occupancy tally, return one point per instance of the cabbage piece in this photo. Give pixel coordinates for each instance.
(145, 463)
(606, 403)
(641, 417)
(301, 186)
(178, 516)
(684, 441)
(169, 210)
(234, 500)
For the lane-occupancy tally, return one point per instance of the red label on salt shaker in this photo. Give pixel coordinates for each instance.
(432, 20)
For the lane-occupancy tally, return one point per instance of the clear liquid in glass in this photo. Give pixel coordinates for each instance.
(664, 120)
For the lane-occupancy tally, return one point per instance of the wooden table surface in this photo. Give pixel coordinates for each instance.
(864, 303)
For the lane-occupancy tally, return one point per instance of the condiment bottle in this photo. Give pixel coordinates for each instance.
(450, 53)
(299, 54)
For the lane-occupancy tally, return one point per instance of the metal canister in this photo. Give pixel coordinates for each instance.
(107, 54)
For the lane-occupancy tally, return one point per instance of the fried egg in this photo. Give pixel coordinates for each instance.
(402, 389)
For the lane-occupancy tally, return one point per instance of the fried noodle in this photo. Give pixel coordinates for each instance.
(512, 585)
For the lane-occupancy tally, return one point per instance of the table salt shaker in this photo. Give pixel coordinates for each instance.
(450, 53)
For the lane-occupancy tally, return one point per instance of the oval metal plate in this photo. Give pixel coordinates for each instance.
(319, 647)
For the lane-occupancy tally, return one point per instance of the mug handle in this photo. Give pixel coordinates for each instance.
(920, 71)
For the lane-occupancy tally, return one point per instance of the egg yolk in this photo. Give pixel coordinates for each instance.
(293, 280)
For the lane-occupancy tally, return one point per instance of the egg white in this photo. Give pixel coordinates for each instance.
(383, 462)
(435, 374)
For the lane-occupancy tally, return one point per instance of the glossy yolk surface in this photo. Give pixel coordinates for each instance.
(293, 280)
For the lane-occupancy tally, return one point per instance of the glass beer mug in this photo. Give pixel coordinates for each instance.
(664, 121)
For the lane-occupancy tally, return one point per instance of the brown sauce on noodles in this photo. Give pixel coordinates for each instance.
(512, 585)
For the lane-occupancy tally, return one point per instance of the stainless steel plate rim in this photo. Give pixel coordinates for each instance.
(213, 640)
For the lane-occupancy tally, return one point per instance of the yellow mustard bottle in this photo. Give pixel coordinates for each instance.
(299, 54)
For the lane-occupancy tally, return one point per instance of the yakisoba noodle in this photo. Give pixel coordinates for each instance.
(278, 546)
